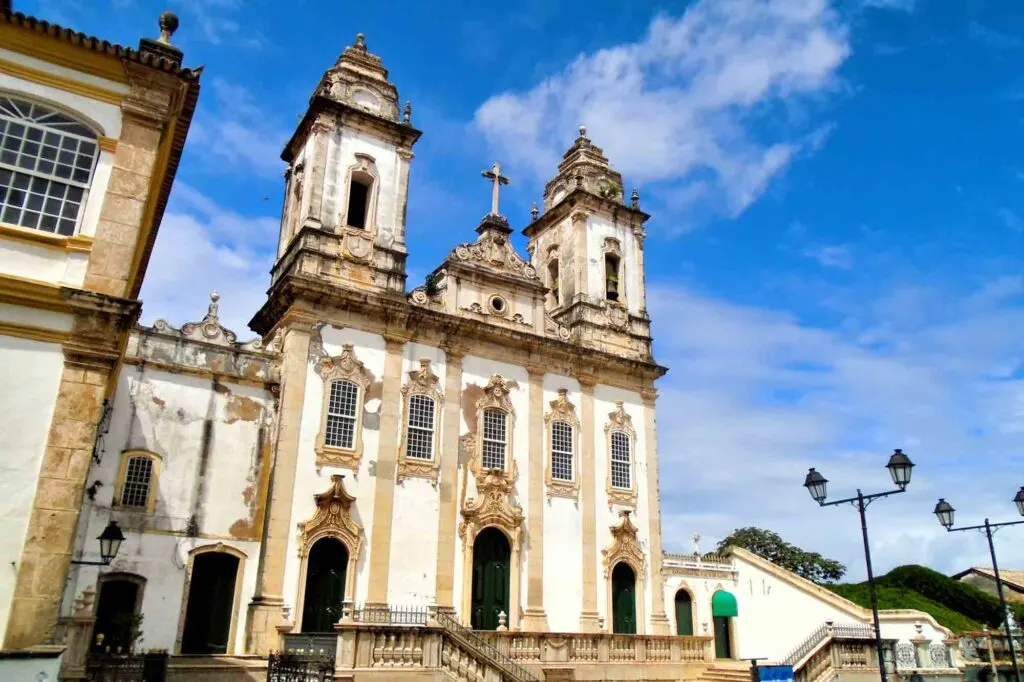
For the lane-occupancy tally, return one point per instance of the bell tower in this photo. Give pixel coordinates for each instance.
(588, 246)
(347, 182)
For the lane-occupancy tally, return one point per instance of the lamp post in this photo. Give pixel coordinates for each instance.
(900, 468)
(945, 513)
(110, 542)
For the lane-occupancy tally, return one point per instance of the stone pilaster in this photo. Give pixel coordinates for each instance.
(589, 616)
(265, 609)
(405, 157)
(448, 480)
(316, 171)
(534, 617)
(659, 621)
(49, 540)
(387, 462)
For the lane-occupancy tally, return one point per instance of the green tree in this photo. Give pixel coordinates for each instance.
(771, 546)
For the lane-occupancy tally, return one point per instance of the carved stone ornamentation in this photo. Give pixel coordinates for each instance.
(619, 421)
(342, 367)
(494, 250)
(421, 382)
(617, 315)
(496, 396)
(492, 505)
(553, 328)
(333, 518)
(624, 547)
(562, 410)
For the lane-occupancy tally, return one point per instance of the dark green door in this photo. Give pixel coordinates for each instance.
(491, 554)
(723, 643)
(623, 600)
(211, 598)
(325, 586)
(684, 614)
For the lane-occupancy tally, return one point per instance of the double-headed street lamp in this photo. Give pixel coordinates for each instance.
(900, 468)
(944, 511)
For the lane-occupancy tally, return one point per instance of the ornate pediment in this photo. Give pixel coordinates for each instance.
(360, 80)
(493, 505)
(624, 547)
(210, 330)
(422, 380)
(344, 366)
(619, 420)
(562, 409)
(333, 518)
(493, 250)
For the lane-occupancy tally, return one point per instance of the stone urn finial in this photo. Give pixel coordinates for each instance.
(168, 25)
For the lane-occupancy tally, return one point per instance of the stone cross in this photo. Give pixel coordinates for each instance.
(497, 180)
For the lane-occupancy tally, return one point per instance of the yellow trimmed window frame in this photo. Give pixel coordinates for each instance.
(138, 470)
(619, 431)
(423, 385)
(562, 415)
(341, 371)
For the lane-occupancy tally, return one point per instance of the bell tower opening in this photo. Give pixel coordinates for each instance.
(358, 201)
(611, 276)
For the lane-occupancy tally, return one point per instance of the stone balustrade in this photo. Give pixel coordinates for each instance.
(543, 648)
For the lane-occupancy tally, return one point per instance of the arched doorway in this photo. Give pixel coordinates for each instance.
(684, 614)
(211, 603)
(325, 585)
(723, 610)
(491, 559)
(623, 599)
(117, 612)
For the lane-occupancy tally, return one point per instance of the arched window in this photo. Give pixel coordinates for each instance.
(47, 160)
(611, 277)
(622, 471)
(117, 612)
(420, 437)
(495, 439)
(340, 429)
(358, 200)
(553, 281)
(136, 481)
(561, 451)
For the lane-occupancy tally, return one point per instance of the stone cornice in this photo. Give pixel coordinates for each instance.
(404, 135)
(582, 199)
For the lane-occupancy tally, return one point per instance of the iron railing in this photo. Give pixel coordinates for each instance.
(483, 648)
(109, 667)
(826, 631)
(391, 615)
(300, 667)
(310, 642)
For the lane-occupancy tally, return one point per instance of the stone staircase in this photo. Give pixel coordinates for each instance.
(726, 671)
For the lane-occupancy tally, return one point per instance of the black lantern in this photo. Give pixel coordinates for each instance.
(816, 484)
(944, 511)
(110, 541)
(899, 467)
(1019, 499)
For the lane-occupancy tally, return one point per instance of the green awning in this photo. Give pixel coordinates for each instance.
(724, 604)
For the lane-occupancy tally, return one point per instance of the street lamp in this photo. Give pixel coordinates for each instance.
(900, 468)
(110, 542)
(944, 511)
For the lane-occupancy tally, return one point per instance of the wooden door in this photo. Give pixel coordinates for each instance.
(325, 586)
(211, 602)
(623, 600)
(491, 570)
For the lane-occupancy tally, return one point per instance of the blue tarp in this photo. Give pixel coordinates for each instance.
(775, 673)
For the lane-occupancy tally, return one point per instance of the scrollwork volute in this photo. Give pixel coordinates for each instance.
(332, 518)
(624, 547)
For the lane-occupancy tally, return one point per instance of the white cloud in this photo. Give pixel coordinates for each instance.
(755, 396)
(231, 128)
(831, 255)
(202, 247)
(218, 24)
(899, 5)
(684, 104)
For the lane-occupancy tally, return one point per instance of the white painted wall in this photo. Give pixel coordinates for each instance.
(31, 371)
(600, 227)
(343, 144)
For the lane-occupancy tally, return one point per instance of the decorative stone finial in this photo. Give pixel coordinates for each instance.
(214, 306)
(168, 25)
(407, 116)
(634, 200)
(360, 43)
(534, 211)
(583, 130)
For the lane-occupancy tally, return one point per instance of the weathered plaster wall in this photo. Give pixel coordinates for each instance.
(343, 145)
(31, 371)
(309, 481)
(631, 279)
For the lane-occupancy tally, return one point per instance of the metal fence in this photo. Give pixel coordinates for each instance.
(300, 667)
(105, 667)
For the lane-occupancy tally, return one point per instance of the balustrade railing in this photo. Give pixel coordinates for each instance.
(819, 637)
(483, 648)
(538, 648)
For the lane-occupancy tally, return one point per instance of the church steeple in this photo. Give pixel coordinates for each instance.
(347, 180)
(588, 245)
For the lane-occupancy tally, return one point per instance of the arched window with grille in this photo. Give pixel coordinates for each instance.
(420, 435)
(136, 481)
(621, 461)
(342, 403)
(47, 160)
(495, 440)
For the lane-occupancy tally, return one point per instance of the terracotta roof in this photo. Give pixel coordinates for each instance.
(96, 44)
(1014, 579)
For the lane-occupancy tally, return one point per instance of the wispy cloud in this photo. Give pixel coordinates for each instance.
(683, 104)
(831, 255)
(234, 129)
(1010, 219)
(219, 23)
(900, 5)
(995, 38)
(762, 390)
(203, 247)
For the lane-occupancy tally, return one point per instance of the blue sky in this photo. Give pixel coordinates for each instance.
(836, 249)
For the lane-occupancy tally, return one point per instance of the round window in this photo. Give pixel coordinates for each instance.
(498, 305)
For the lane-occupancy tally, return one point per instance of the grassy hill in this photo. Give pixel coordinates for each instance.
(958, 606)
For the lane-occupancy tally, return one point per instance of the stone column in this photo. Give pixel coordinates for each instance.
(49, 540)
(589, 617)
(581, 262)
(448, 479)
(316, 170)
(659, 621)
(405, 156)
(265, 608)
(387, 462)
(534, 617)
